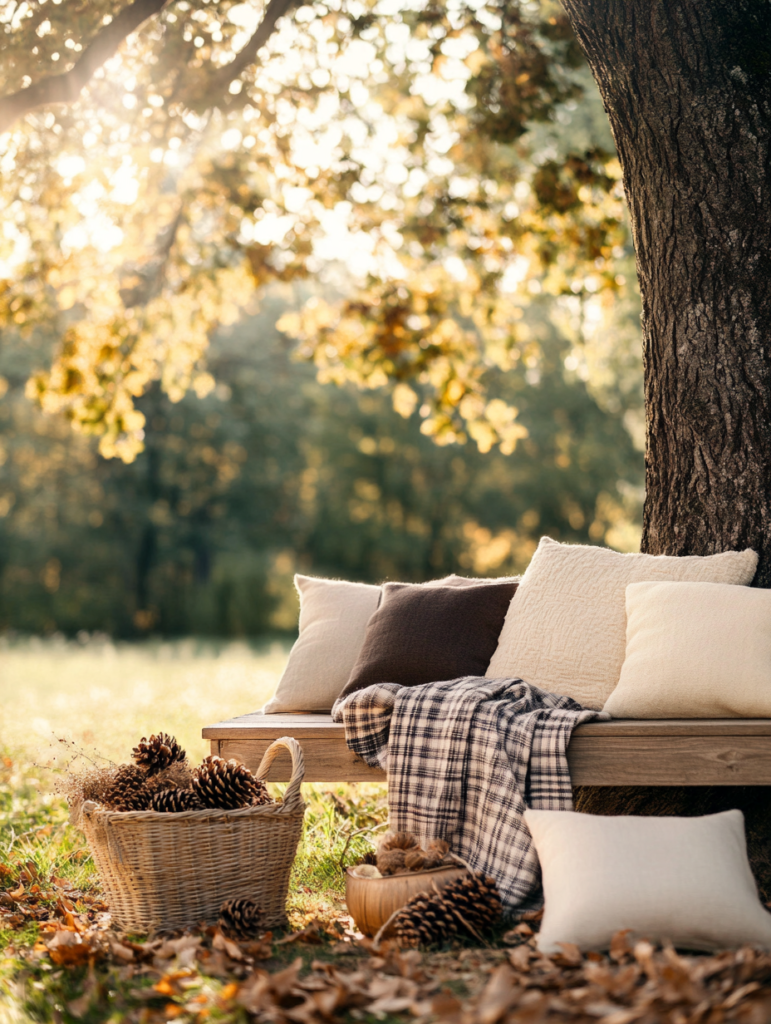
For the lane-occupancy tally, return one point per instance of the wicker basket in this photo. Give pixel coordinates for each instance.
(164, 871)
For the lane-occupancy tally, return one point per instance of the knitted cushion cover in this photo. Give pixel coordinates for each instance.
(425, 634)
(695, 650)
(565, 631)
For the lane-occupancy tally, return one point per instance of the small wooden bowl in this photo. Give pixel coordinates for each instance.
(371, 901)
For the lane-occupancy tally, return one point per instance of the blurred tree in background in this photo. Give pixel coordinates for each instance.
(153, 179)
(273, 473)
(420, 205)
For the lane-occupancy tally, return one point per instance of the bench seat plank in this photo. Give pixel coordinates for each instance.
(683, 752)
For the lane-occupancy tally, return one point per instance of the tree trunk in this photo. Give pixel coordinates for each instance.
(687, 87)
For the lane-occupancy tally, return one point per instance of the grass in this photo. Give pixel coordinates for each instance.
(101, 698)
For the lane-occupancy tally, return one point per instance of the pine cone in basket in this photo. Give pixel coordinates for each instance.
(173, 800)
(224, 784)
(436, 852)
(468, 906)
(127, 791)
(241, 919)
(158, 752)
(261, 796)
(392, 851)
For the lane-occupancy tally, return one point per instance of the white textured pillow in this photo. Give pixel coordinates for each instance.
(333, 621)
(686, 880)
(565, 630)
(695, 650)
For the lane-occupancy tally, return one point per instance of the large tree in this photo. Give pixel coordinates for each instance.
(687, 88)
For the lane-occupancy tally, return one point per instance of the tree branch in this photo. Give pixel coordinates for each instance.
(225, 75)
(66, 88)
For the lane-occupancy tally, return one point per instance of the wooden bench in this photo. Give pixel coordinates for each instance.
(688, 752)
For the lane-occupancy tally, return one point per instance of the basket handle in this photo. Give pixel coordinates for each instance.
(292, 798)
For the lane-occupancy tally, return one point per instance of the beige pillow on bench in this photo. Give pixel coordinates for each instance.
(565, 630)
(333, 620)
(683, 880)
(695, 650)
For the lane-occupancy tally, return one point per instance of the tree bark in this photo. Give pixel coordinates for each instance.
(687, 87)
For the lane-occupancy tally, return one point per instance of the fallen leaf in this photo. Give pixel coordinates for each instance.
(569, 956)
(500, 993)
(313, 933)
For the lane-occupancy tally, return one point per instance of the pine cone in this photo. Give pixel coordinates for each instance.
(399, 841)
(262, 796)
(425, 921)
(172, 801)
(390, 861)
(471, 902)
(241, 919)
(474, 900)
(224, 784)
(127, 790)
(158, 752)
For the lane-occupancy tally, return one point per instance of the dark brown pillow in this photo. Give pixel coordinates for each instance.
(425, 634)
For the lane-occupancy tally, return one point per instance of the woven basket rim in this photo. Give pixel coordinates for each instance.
(277, 810)
(412, 874)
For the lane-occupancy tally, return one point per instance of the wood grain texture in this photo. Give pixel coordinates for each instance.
(693, 752)
(326, 760)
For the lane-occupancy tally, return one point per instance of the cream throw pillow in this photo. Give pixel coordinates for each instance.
(333, 620)
(565, 630)
(695, 650)
(686, 880)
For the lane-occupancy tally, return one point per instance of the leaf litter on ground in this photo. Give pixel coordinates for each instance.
(201, 972)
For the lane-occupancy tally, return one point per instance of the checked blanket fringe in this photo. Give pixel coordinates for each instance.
(464, 759)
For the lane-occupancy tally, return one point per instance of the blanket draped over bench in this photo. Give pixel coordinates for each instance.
(464, 759)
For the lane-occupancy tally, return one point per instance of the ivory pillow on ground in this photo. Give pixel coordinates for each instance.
(695, 650)
(565, 630)
(685, 880)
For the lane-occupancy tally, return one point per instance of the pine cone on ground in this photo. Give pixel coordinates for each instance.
(171, 801)
(158, 752)
(425, 921)
(469, 906)
(474, 901)
(127, 790)
(241, 919)
(224, 784)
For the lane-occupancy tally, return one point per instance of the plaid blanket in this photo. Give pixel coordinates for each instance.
(464, 759)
